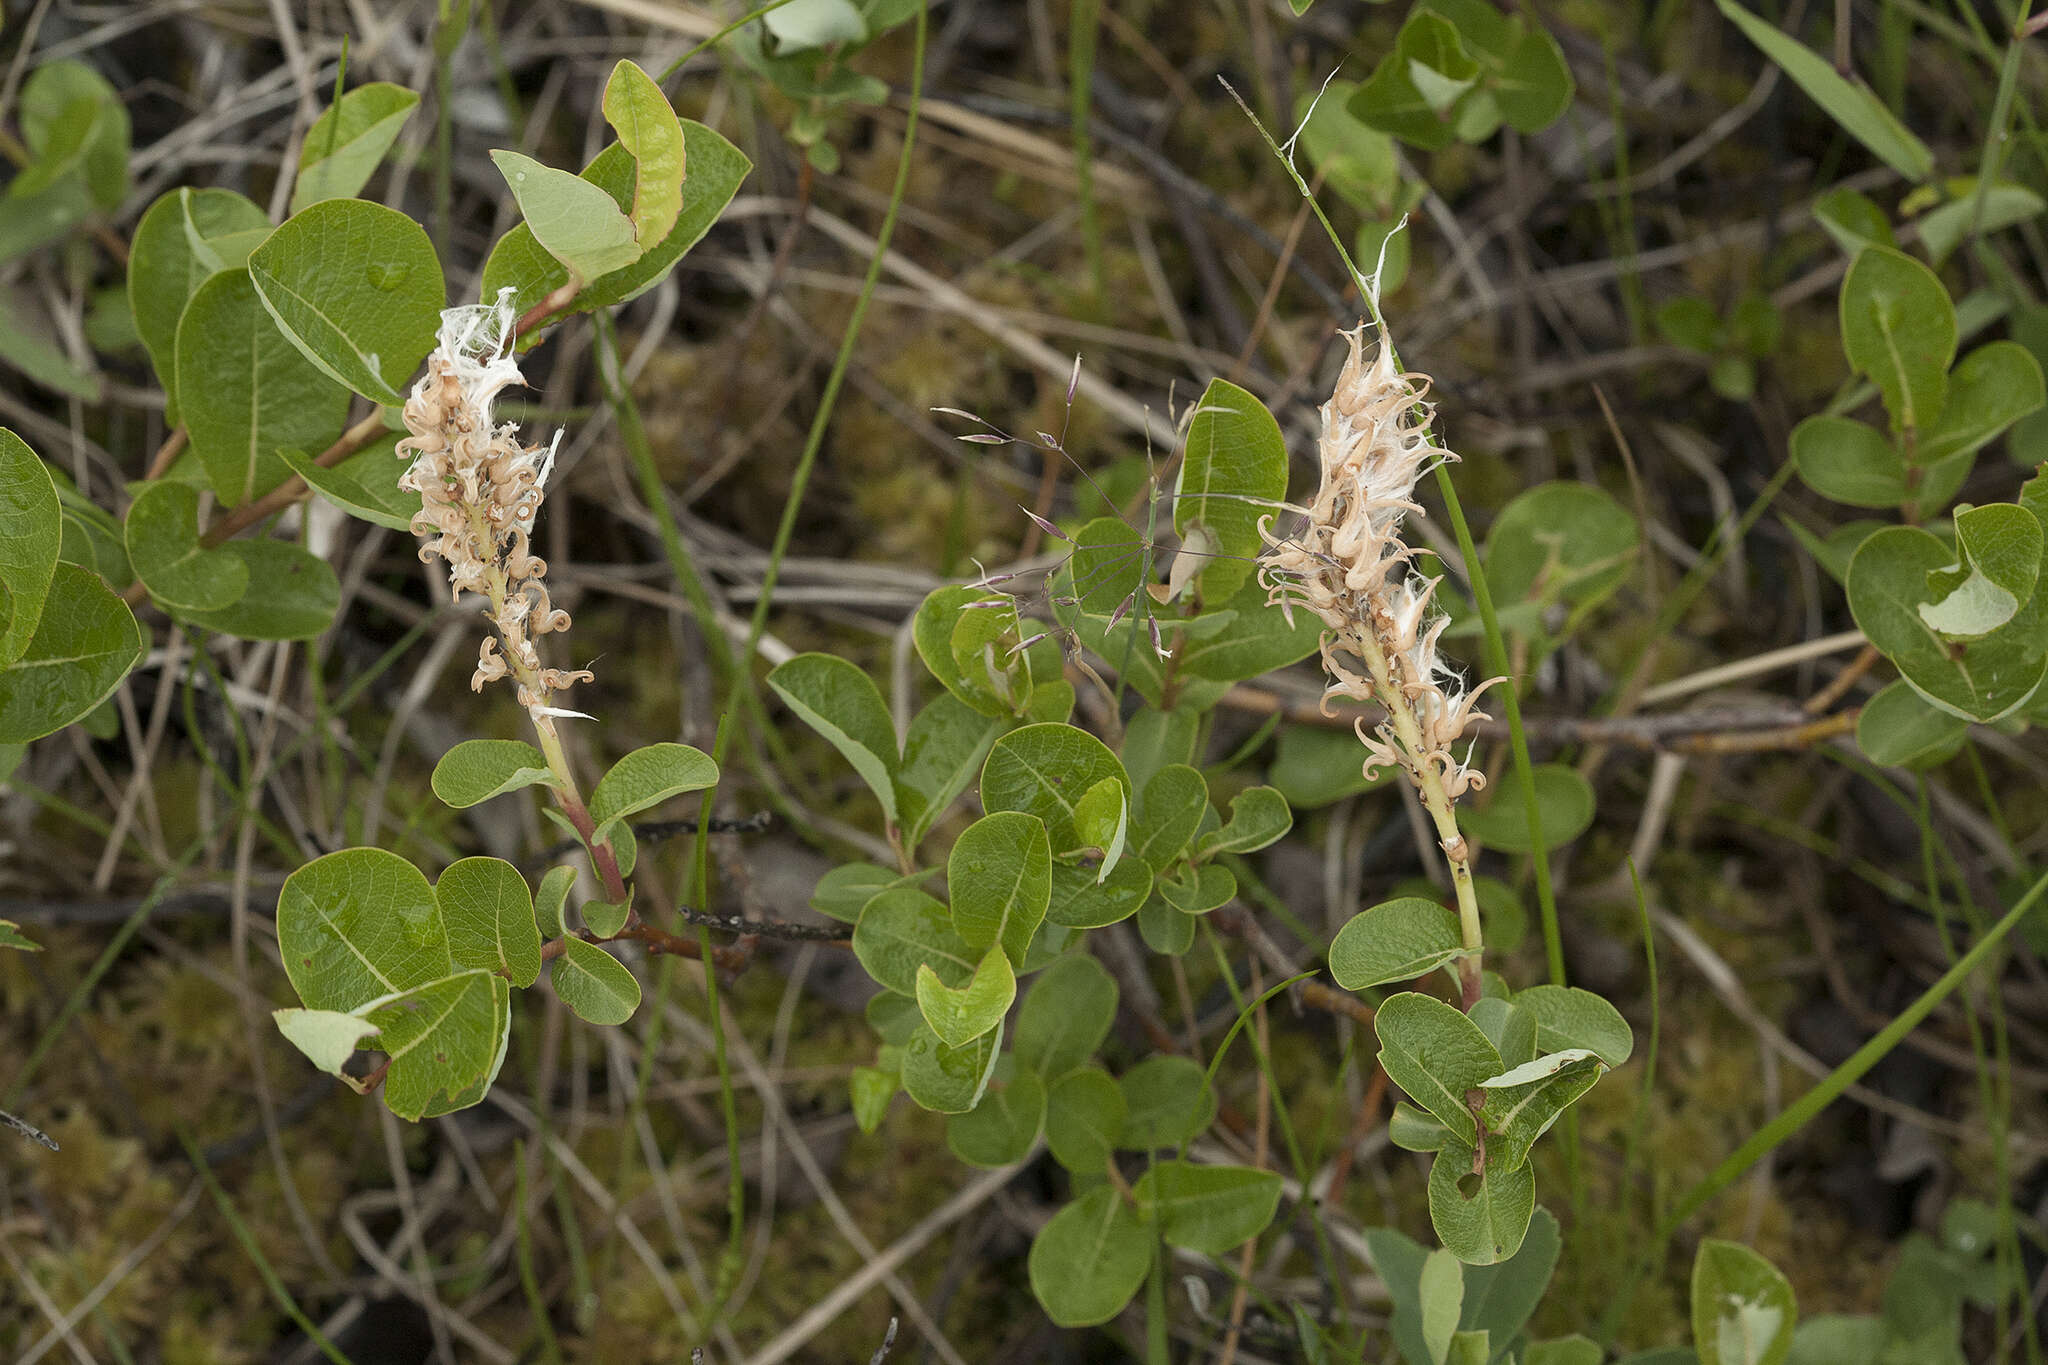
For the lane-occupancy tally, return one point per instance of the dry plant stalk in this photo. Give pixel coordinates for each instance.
(480, 490)
(1349, 566)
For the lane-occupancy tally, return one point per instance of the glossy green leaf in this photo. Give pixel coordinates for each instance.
(487, 913)
(364, 485)
(594, 984)
(903, 929)
(1211, 1210)
(1898, 728)
(342, 148)
(162, 539)
(1899, 328)
(1000, 1130)
(479, 769)
(1511, 1029)
(1851, 104)
(1568, 1017)
(647, 128)
(74, 124)
(185, 238)
(1564, 801)
(716, 168)
(1413, 90)
(357, 288)
(83, 646)
(1233, 474)
(959, 1016)
(1416, 1130)
(31, 538)
(247, 391)
(1065, 1016)
(1082, 900)
(1000, 877)
(1084, 1119)
(446, 1039)
(1853, 220)
(1175, 800)
(1258, 816)
(358, 925)
(842, 703)
(949, 1080)
(1396, 940)
(1166, 928)
(1743, 1311)
(1889, 581)
(1167, 1101)
(1435, 1054)
(646, 777)
(1480, 1218)
(605, 919)
(1090, 1259)
(293, 594)
(1045, 770)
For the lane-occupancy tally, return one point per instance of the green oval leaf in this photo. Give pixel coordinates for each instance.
(1899, 328)
(358, 290)
(1258, 816)
(1168, 1102)
(1898, 728)
(647, 128)
(576, 222)
(1481, 1219)
(1081, 900)
(1084, 1119)
(246, 390)
(949, 1080)
(1211, 1210)
(1567, 1017)
(1000, 1130)
(479, 769)
(1175, 800)
(487, 913)
(31, 536)
(549, 898)
(446, 1039)
(645, 778)
(1990, 388)
(1233, 474)
(1743, 1310)
(1559, 543)
(83, 646)
(1000, 877)
(358, 925)
(364, 485)
(185, 238)
(1396, 940)
(960, 1016)
(1435, 1054)
(1983, 680)
(1065, 1016)
(1045, 770)
(1522, 1103)
(716, 168)
(1090, 1259)
(327, 1037)
(162, 538)
(1848, 461)
(902, 929)
(843, 704)
(345, 143)
(594, 984)
(292, 594)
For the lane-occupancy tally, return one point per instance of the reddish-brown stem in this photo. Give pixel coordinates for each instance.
(166, 454)
(555, 302)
